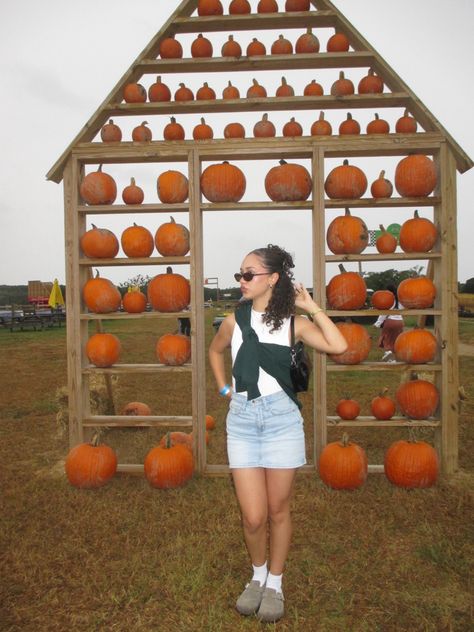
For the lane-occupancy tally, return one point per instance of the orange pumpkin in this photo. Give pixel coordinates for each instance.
(321, 127)
(172, 239)
(90, 465)
(137, 241)
(159, 91)
(288, 182)
(358, 344)
(281, 46)
(378, 126)
(406, 124)
(342, 86)
(256, 48)
(133, 194)
(348, 409)
(169, 292)
(202, 131)
(343, 465)
(416, 346)
(178, 438)
(173, 349)
(231, 48)
(173, 130)
(292, 128)
(210, 7)
(103, 349)
(415, 176)
(297, 5)
(234, 130)
(346, 181)
(411, 464)
(99, 243)
(417, 292)
(111, 133)
(313, 89)
(183, 93)
(223, 183)
(205, 93)
(256, 90)
(346, 290)
(169, 466)
(349, 126)
(337, 43)
(382, 299)
(307, 43)
(239, 7)
(418, 234)
(383, 407)
(101, 296)
(142, 133)
(370, 84)
(210, 422)
(201, 47)
(134, 93)
(135, 409)
(284, 90)
(98, 187)
(381, 187)
(417, 399)
(170, 48)
(347, 234)
(267, 6)
(264, 128)
(134, 301)
(386, 242)
(230, 92)
(172, 187)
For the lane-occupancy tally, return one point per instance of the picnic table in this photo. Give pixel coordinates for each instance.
(23, 317)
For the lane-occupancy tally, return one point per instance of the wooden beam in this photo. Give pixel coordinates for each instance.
(254, 22)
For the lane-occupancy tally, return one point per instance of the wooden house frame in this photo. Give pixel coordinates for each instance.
(433, 140)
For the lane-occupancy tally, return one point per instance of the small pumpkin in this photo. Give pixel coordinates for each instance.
(169, 466)
(307, 43)
(313, 89)
(137, 241)
(288, 182)
(378, 126)
(100, 295)
(98, 188)
(415, 176)
(382, 406)
(381, 188)
(417, 399)
(346, 290)
(210, 422)
(321, 127)
(386, 242)
(347, 234)
(90, 465)
(292, 128)
(169, 292)
(99, 243)
(343, 464)
(346, 181)
(205, 93)
(231, 48)
(239, 7)
(256, 90)
(173, 349)
(370, 84)
(223, 183)
(297, 5)
(135, 409)
(203, 131)
(183, 93)
(142, 133)
(201, 47)
(210, 7)
(133, 194)
(170, 48)
(416, 346)
(264, 128)
(358, 344)
(349, 126)
(172, 239)
(284, 89)
(234, 130)
(172, 187)
(383, 299)
(134, 93)
(342, 86)
(103, 349)
(178, 438)
(281, 46)
(337, 43)
(406, 124)
(417, 292)
(159, 91)
(256, 48)
(173, 130)
(418, 234)
(267, 6)
(348, 409)
(411, 464)
(230, 92)
(134, 301)
(110, 133)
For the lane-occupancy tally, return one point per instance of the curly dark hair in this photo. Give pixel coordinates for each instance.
(282, 302)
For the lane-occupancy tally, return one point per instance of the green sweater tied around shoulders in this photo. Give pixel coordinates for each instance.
(253, 354)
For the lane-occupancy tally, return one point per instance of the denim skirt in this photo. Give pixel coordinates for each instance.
(265, 432)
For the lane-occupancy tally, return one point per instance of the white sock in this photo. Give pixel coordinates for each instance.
(274, 581)
(260, 573)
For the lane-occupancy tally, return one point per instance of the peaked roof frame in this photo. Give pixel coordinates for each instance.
(326, 15)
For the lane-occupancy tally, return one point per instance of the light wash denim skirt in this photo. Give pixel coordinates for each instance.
(265, 432)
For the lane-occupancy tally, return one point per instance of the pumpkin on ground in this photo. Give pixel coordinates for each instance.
(415, 176)
(346, 181)
(172, 187)
(416, 346)
(418, 399)
(169, 292)
(417, 234)
(288, 182)
(134, 301)
(347, 234)
(223, 183)
(343, 464)
(103, 349)
(134, 409)
(348, 408)
(99, 243)
(417, 292)
(101, 296)
(172, 239)
(90, 465)
(168, 466)
(173, 349)
(386, 242)
(110, 133)
(346, 290)
(98, 187)
(133, 194)
(358, 344)
(382, 406)
(137, 241)
(411, 464)
(383, 299)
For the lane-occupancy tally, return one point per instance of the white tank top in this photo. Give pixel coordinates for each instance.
(266, 383)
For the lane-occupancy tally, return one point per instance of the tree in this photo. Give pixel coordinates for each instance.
(139, 280)
(468, 287)
(380, 280)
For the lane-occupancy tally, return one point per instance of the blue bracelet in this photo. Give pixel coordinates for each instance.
(224, 390)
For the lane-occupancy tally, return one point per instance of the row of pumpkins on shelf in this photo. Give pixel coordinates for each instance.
(264, 128)
(415, 176)
(343, 465)
(239, 7)
(159, 92)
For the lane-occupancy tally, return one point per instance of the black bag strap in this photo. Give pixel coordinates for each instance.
(292, 331)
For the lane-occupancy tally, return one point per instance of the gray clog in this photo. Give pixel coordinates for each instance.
(250, 599)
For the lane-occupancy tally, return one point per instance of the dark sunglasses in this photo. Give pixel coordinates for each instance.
(248, 276)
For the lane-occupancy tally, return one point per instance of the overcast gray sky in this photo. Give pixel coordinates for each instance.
(60, 59)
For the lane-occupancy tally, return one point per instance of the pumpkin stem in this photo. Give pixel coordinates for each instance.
(321, 116)
(381, 226)
(341, 268)
(283, 81)
(265, 117)
(97, 275)
(99, 170)
(309, 30)
(168, 440)
(96, 437)
(341, 74)
(376, 116)
(231, 38)
(255, 82)
(111, 122)
(382, 175)
(416, 214)
(345, 162)
(144, 122)
(383, 392)
(132, 182)
(282, 162)
(347, 212)
(172, 119)
(349, 116)
(93, 225)
(203, 122)
(345, 440)
(172, 220)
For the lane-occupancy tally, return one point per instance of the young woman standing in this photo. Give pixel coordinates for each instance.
(265, 437)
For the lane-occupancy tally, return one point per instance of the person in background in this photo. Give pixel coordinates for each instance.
(391, 326)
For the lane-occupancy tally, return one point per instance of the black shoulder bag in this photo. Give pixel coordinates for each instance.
(300, 364)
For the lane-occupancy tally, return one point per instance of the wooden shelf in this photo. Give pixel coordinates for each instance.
(376, 256)
(137, 368)
(371, 422)
(138, 421)
(123, 315)
(377, 312)
(354, 59)
(383, 202)
(254, 21)
(382, 366)
(128, 209)
(308, 205)
(135, 261)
